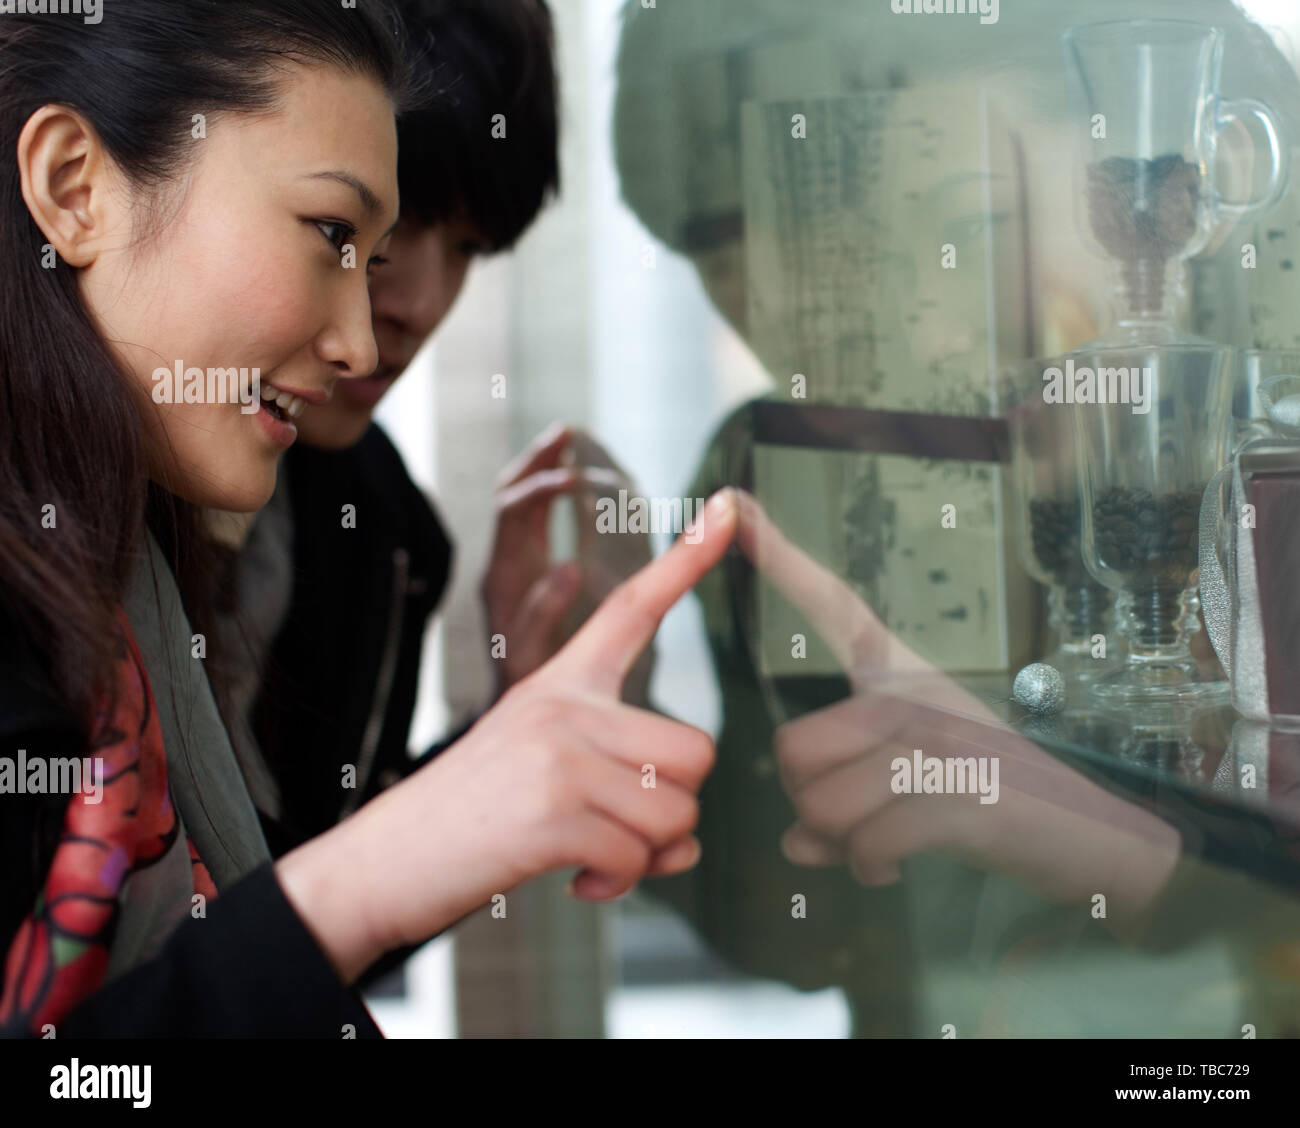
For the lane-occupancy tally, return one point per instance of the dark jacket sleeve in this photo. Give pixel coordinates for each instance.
(249, 969)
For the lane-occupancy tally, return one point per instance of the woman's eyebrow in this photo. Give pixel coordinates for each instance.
(369, 200)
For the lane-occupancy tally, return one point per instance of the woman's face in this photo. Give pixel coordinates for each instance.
(259, 264)
(411, 295)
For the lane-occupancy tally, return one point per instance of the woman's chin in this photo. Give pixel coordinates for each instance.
(252, 499)
(245, 496)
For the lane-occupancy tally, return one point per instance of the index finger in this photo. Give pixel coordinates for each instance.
(859, 640)
(609, 643)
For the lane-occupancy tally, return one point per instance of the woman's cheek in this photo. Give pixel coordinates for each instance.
(264, 288)
(211, 455)
(280, 321)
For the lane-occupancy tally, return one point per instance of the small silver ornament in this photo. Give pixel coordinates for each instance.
(1040, 689)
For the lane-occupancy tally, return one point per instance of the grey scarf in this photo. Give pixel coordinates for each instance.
(211, 797)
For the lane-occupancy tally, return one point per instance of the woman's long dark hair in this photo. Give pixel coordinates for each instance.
(71, 434)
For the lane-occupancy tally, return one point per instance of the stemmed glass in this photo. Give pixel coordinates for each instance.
(1049, 527)
(1144, 465)
(1148, 121)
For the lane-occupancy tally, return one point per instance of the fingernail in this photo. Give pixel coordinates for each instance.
(695, 854)
(797, 849)
(721, 502)
(569, 890)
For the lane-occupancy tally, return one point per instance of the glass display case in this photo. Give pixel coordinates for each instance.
(831, 256)
(979, 765)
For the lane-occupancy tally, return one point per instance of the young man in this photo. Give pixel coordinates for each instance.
(328, 604)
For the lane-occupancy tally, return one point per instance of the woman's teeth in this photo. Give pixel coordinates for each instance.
(290, 406)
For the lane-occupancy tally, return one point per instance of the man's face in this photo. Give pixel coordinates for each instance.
(410, 294)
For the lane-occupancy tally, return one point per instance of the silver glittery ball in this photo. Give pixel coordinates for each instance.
(1040, 689)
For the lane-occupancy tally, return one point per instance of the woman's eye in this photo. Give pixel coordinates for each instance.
(336, 234)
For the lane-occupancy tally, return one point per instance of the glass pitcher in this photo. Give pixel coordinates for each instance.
(1148, 117)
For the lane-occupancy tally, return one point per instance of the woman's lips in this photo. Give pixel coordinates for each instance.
(282, 432)
(368, 391)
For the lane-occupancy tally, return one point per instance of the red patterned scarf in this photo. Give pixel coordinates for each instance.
(60, 954)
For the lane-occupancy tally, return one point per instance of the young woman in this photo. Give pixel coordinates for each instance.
(177, 186)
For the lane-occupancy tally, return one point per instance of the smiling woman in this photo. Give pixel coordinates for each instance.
(133, 240)
(249, 271)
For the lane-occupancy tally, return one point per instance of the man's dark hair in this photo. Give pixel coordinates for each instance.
(478, 59)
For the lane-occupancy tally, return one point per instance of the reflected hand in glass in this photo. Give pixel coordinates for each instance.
(1049, 828)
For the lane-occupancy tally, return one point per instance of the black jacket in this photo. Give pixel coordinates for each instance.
(343, 674)
(251, 968)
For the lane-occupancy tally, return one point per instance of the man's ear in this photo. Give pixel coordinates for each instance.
(65, 181)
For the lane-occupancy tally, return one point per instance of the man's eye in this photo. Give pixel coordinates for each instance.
(375, 263)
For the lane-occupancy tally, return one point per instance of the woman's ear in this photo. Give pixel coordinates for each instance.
(65, 181)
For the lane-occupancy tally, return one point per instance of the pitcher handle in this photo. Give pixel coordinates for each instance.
(1279, 173)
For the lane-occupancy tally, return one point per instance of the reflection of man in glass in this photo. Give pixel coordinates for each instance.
(841, 258)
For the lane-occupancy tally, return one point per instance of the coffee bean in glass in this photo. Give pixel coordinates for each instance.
(1147, 536)
(1143, 209)
(1054, 531)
